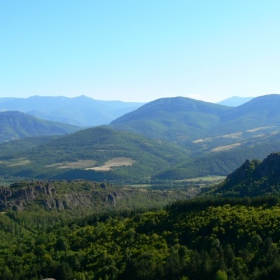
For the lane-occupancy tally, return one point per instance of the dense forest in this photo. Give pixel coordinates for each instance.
(88, 230)
(203, 238)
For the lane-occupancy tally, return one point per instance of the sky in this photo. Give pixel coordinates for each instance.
(139, 50)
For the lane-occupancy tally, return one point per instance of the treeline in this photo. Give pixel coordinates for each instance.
(200, 203)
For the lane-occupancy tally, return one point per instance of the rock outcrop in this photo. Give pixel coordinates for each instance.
(44, 193)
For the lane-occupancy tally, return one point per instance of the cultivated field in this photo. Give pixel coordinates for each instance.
(118, 161)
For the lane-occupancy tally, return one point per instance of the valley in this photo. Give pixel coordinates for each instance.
(139, 140)
(177, 189)
(167, 139)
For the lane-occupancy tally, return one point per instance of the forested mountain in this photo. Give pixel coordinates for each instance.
(177, 119)
(220, 138)
(183, 120)
(80, 111)
(15, 125)
(97, 153)
(253, 178)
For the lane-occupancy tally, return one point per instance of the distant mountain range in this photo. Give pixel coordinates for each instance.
(79, 111)
(169, 138)
(15, 125)
(235, 101)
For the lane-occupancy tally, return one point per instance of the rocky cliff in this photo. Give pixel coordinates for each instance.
(60, 195)
(53, 195)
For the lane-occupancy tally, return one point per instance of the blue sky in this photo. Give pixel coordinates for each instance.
(139, 50)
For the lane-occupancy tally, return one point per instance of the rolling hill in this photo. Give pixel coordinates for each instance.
(80, 111)
(97, 153)
(16, 125)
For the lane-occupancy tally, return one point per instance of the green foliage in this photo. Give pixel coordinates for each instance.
(19, 146)
(221, 275)
(200, 239)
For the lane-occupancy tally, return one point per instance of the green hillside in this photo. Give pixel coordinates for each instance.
(219, 138)
(16, 125)
(7, 149)
(201, 126)
(97, 154)
(222, 162)
(253, 178)
(261, 111)
(177, 119)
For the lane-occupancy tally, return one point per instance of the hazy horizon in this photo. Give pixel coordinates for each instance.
(125, 100)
